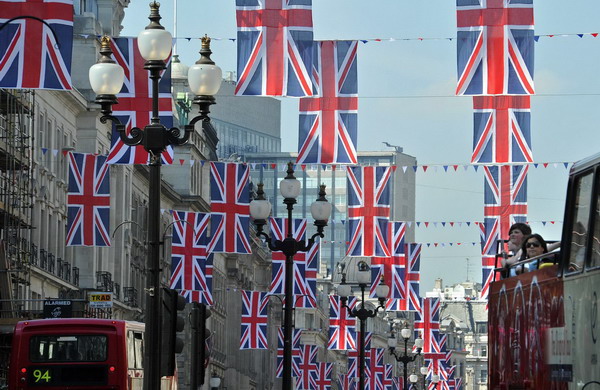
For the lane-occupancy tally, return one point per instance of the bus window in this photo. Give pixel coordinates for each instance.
(135, 349)
(68, 348)
(581, 219)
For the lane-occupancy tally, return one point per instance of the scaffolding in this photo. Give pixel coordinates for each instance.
(16, 204)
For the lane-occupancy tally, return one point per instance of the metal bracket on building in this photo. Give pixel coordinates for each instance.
(150, 291)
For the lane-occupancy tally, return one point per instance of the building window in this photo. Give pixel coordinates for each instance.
(483, 376)
(484, 351)
(482, 327)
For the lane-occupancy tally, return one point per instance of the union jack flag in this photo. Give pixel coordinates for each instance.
(36, 51)
(323, 377)
(346, 382)
(296, 339)
(397, 232)
(191, 264)
(387, 379)
(305, 264)
(495, 47)
(328, 123)
(376, 370)
(435, 362)
(505, 198)
(502, 129)
(88, 201)
(135, 103)
(427, 323)
(230, 210)
(275, 47)
(354, 355)
(254, 320)
(368, 211)
(398, 383)
(342, 326)
(408, 287)
(308, 368)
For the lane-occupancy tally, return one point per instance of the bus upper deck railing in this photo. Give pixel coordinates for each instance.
(531, 264)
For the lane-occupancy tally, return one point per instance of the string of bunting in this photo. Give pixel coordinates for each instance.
(367, 40)
(334, 167)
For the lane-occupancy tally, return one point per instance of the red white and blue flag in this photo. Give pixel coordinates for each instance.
(387, 379)
(407, 288)
(346, 382)
(495, 47)
(391, 271)
(296, 339)
(230, 208)
(329, 122)
(376, 369)
(191, 264)
(354, 355)
(427, 324)
(308, 367)
(254, 320)
(36, 49)
(398, 383)
(505, 199)
(305, 264)
(368, 211)
(502, 129)
(323, 376)
(88, 201)
(342, 326)
(275, 47)
(135, 103)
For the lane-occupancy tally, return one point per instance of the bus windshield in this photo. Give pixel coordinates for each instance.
(68, 348)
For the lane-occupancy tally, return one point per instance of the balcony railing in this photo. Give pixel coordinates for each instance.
(59, 267)
(43, 259)
(104, 281)
(76, 276)
(130, 296)
(117, 291)
(34, 254)
(51, 263)
(67, 272)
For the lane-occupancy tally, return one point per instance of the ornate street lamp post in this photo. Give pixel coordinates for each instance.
(405, 358)
(260, 210)
(363, 277)
(106, 79)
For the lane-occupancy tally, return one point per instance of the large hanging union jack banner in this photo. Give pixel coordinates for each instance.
(230, 208)
(427, 324)
(296, 346)
(191, 264)
(354, 355)
(495, 41)
(36, 51)
(505, 198)
(275, 40)
(305, 264)
(406, 289)
(135, 103)
(323, 376)
(254, 320)
(376, 370)
(368, 211)
(88, 201)
(342, 326)
(329, 123)
(308, 368)
(502, 129)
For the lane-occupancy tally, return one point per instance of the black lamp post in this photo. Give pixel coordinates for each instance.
(106, 79)
(363, 277)
(260, 210)
(405, 358)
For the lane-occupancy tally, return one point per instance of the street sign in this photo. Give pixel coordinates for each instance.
(100, 299)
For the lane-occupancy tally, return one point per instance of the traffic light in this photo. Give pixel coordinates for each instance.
(200, 344)
(172, 321)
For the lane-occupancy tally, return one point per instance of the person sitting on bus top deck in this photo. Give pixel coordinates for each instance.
(533, 246)
(517, 232)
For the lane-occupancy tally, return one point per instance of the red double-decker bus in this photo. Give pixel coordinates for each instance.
(544, 325)
(79, 354)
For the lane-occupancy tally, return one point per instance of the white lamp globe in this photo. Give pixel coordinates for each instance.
(382, 290)
(106, 78)
(155, 44)
(260, 209)
(413, 378)
(392, 342)
(424, 370)
(289, 188)
(320, 210)
(435, 378)
(363, 275)
(205, 79)
(419, 342)
(344, 290)
(215, 382)
(405, 332)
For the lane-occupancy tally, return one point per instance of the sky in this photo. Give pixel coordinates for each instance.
(406, 97)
